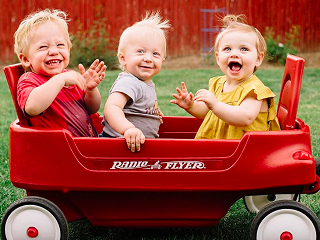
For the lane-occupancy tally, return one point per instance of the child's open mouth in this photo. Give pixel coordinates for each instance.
(235, 66)
(53, 62)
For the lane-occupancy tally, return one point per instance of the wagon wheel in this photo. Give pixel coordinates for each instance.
(255, 203)
(285, 220)
(34, 217)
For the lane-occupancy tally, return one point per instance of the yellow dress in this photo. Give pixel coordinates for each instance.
(213, 127)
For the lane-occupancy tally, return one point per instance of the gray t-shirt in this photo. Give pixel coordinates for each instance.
(142, 108)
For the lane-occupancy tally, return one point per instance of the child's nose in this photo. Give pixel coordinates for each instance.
(147, 57)
(234, 53)
(53, 50)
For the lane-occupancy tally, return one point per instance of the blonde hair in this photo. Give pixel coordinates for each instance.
(233, 23)
(152, 23)
(25, 30)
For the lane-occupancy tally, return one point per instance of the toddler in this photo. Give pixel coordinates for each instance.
(131, 110)
(49, 95)
(237, 102)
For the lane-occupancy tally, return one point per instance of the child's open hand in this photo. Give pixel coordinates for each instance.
(94, 75)
(207, 97)
(134, 138)
(73, 78)
(183, 99)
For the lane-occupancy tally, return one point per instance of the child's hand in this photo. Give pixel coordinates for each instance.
(207, 97)
(134, 138)
(161, 115)
(183, 98)
(94, 75)
(73, 78)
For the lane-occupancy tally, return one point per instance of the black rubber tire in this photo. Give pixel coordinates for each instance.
(280, 205)
(41, 202)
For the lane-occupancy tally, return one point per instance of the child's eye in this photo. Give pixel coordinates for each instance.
(156, 54)
(43, 47)
(140, 51)
(60, 45)
(227, 49)
(244, 49)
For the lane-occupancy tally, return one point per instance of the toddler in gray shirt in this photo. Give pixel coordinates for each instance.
(131, 110)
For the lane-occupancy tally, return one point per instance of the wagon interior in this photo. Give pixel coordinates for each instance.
(174, 180)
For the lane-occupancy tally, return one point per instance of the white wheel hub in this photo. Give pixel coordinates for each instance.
(27, 217)
(286, 220)
(256, 203)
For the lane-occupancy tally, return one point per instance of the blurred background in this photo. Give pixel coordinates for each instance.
(289, 26)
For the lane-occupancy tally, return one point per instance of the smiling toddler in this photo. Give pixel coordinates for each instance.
(237, 102)
(131, 110)
(49, 95)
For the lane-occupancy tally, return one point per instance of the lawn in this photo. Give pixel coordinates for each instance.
(236, 224)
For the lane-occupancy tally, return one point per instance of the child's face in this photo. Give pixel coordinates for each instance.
(143, 56)
(48, 52)
(237, 55)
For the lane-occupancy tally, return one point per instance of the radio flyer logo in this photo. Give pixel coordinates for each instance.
(171, 165)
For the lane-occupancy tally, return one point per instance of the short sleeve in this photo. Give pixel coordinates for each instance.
(128, 85)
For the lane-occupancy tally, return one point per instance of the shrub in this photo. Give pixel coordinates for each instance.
(93, 43)
(279, 47)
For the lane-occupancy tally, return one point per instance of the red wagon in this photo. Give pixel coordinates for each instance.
(173, 181)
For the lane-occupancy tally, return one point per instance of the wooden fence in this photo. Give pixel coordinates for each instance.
(185, 16)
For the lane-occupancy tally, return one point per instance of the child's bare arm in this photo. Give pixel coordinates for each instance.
(186, 101)
(239, 116)
(113, 112)
(41, 97)
(93, 76)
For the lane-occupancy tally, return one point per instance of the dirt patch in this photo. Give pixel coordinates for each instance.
(198, 61)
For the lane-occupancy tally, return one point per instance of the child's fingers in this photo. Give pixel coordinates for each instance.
(80, 80)
(161, 113)
(94, 64)
(140, 139)
(81, 83)
(103, 70)
(178, 91)
(191, 96)
(103, 67)
(175, 96)
(82, 70)
(184, 87)
(134, 139)
(101, 77)
(99, 67)
(74, 78)
(133, 147)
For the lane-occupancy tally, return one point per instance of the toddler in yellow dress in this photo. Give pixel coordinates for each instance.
(237, 102)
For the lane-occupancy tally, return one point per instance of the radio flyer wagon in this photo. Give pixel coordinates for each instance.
(173, 181)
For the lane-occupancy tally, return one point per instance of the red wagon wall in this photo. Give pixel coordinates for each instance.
(185, 37)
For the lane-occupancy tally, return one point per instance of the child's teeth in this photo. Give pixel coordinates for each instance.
(53, 62)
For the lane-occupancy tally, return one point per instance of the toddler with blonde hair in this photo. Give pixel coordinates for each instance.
(237, 102)
(131, 110)
(49, 95)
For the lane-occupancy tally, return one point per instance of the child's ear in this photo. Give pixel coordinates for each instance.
(217, 58)
(24, 60)
(260, 58)
(121, 58)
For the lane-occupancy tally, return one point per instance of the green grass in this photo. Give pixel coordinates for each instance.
(236, 223)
